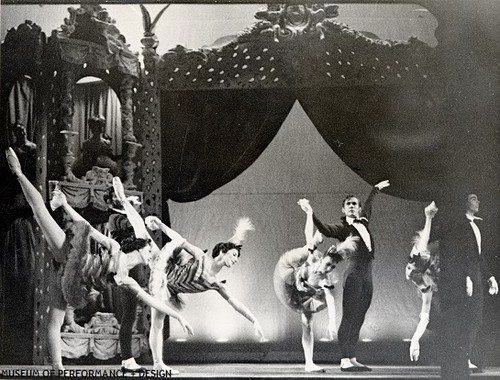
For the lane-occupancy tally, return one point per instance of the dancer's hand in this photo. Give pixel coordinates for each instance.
(493, 285)
(258, 331)
(152, 222)
(58, 198)
(119, 190)
(185, 325)
(13, 161)
(414, 350)
(305, 206)
(431, 210)
(469, 286)
(383, 184)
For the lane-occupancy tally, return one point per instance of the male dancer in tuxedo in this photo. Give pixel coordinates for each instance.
(462, 270)
(358, 286)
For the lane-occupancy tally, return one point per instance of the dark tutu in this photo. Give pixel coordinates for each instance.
(285, 274)
(77, 245)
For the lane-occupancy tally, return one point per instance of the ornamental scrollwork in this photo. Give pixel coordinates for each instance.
(292, 20)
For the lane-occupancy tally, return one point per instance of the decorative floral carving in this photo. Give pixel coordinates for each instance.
(292, 20)
(99, 176)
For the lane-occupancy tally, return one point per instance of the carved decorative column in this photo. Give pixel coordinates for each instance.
(68, 158)
(149, 121)
(68, 81)
(129, 165)
(126, 101)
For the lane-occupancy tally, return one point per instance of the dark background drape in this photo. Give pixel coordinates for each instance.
(210, 137)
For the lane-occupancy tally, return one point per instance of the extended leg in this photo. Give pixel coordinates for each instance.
(54, 234)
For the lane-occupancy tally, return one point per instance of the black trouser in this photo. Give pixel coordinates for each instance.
(129, 303)
(358, 290)
(453, 337)
(461, 320)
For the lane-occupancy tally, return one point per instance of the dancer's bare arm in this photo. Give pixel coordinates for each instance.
(243, 310)
(154, 223)
(422, 325)
(423, 242)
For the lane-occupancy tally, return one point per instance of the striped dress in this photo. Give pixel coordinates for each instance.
(169, 278)
(191, 277)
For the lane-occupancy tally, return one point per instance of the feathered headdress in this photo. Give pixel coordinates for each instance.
(243, 225)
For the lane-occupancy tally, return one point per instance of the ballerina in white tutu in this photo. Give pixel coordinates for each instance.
(303, 281)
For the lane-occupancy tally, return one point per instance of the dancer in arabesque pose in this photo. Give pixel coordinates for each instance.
(185, 268)
(77, 270)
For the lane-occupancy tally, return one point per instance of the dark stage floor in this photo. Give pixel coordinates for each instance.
(241, 371)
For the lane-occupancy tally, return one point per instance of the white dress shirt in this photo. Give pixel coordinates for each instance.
(475, 228)
(363, 232)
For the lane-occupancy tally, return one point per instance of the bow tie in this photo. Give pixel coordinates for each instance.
(357, 221)
(473, 219)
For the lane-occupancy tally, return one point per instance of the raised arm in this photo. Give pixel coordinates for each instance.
(154, 223)
(329, 230)
(243, 310)
(367, 207)
(422, 325)
(422, 242)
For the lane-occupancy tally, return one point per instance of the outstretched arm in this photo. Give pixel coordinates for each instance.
(243, 310)
(422, 242)
(367, 208)
(154, 223)
(329, 230)
(422, 325)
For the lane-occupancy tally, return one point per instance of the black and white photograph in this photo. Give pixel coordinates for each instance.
(250, 189)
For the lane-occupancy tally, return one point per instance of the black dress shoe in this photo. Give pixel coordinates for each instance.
(365, 369)
(351, 369)
(137, 370)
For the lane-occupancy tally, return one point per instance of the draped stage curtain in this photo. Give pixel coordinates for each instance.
(21, 106)
(384, 132)
(210, 137)
(97, 98)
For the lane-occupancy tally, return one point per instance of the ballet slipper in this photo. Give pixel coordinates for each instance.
(130, 366)
(58, 369)
(314, 368)
(13, 161)
(162, 367)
